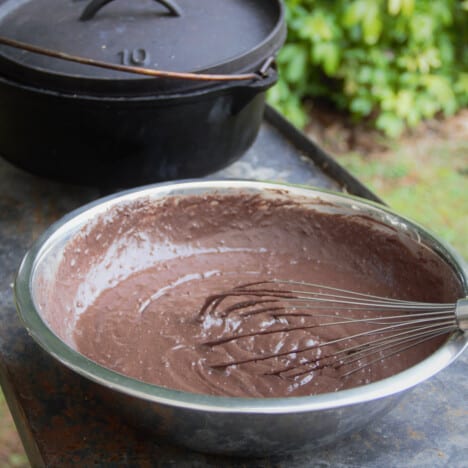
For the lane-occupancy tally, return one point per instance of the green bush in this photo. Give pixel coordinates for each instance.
(395, 62)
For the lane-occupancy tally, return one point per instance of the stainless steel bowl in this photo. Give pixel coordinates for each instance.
(235, 426)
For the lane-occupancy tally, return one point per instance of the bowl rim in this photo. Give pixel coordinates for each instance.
(58, 349)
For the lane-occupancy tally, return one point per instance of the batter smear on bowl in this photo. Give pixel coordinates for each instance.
(133, 284)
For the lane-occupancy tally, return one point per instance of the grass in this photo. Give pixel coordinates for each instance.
(428, 183)
(11, 451)
(423, 175)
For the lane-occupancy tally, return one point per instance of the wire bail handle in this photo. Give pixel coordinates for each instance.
(253, 76)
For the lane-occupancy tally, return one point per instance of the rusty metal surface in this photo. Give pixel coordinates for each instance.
(62, 421)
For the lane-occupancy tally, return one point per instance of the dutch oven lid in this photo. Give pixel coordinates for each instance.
(208, 36)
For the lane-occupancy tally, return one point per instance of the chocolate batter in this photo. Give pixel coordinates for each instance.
(134, 281)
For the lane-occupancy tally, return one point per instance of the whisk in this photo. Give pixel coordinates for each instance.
(391, 326)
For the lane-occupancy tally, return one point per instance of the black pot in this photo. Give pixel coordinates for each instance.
(91, 125)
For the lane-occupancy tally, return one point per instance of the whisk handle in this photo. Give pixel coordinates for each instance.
(461, 313)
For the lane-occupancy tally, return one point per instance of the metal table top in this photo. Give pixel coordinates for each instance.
(63, 423)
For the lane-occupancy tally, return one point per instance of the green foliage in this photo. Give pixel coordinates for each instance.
(396, 62)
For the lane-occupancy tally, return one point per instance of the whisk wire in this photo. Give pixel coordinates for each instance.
(447, 325)
(400, 325)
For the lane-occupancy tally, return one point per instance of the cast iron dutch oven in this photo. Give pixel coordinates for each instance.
(80, 123)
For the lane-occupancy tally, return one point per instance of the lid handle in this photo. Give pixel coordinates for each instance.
(95, 5)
